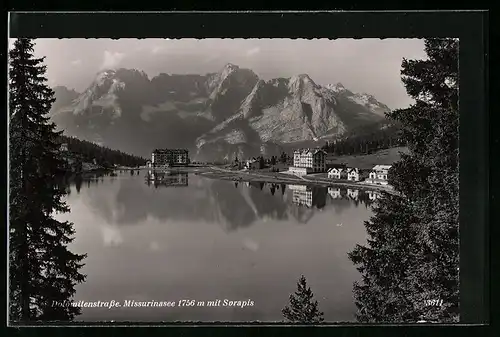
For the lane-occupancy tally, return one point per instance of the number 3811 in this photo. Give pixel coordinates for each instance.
(434, 303)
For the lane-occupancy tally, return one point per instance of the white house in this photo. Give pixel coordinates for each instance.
(379, 175)
(314, 159)
(353, 174)
(337, 173)
(334, 192)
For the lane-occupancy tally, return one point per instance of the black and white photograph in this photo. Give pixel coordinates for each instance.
(270, 180)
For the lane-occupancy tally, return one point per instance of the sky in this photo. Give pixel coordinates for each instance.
(361, 65)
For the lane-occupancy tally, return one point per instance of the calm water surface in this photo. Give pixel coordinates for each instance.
(188, 237)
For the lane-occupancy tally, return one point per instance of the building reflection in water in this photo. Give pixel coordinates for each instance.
(167, 179)
(302, 195)
(309, 196)
(366, 197)
(335, 192)
(373, 195)
(353, 194)
(316, 196)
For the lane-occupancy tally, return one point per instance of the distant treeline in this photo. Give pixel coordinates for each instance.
(367, 140)
(88, 152)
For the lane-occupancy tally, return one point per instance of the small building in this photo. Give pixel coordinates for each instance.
(314, 159)
(64, 147)
(148, 164)
(300, 171)
(337, 173)
(379, 175)
(353, 174)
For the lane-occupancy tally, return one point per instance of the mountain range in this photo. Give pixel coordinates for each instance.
(222, 115)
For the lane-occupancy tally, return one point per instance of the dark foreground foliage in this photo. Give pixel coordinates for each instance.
(303, 308)
(368, 139)
(409, 266)
(42, 270)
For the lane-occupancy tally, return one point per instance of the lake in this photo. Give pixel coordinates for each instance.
(186, 237)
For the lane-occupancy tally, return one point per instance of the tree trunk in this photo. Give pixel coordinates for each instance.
(24, 247)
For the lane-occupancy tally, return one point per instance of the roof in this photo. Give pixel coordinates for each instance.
(170, 150)
(319, 150)
(335, 168)
(351, 169)
(381, 167)
(305, 151)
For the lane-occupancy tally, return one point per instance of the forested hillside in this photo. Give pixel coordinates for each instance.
(367, 139)
(89, 152)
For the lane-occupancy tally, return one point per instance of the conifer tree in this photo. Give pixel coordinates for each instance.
(413, 251)
(303, 308)
(42, 271)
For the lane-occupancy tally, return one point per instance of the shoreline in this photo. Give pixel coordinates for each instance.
(214, 172)
(283, 178)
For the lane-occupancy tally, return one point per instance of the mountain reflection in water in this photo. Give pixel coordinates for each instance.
(216, 201)
(193, 237)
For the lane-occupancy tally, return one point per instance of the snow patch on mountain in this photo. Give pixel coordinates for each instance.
(370, 102)
(363, 99)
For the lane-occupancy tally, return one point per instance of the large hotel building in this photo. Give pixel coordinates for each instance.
(311, 160)
(169, 157)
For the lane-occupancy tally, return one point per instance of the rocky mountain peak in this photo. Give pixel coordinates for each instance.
(304, 78)
(301, 83)
(104, 90)
(230, 66)
(103, 75)
(336, 87)
(232, 84)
